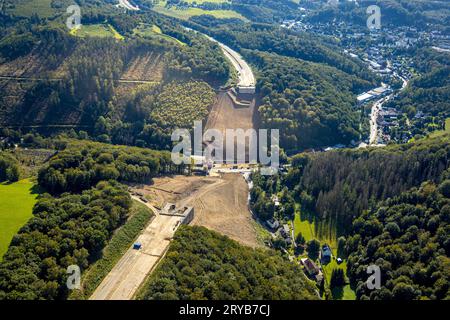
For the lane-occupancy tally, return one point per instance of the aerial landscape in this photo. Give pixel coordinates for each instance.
(251, 150)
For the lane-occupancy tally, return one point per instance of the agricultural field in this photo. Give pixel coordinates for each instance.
(43, 8)
(16, 203)
(191, 12)
(97, 30)
(180, 104)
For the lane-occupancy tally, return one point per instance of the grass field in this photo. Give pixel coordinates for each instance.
(26, 8)
(191, 12)
(441, 132)
(97, 30)
(147, 30)
(42, 8)
(308, 230)
(16, 204)
(303, 226)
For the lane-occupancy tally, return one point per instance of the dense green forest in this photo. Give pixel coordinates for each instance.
(9, 168)
(307, 87)
(146, 115)
(202, 264)
(83, 164)
(395, 217)
(70, 230)
(274, 39)
(311, 104)
(73, 222)
(407, 237)
(339, 185)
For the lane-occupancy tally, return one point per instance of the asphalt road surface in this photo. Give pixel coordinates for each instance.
(246, 77)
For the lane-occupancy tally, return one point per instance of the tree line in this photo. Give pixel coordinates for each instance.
(70, 230)
(407, 236)
(84, 164)
(202, 264)
(9, 168)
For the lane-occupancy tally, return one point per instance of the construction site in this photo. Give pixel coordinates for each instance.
(217, 201)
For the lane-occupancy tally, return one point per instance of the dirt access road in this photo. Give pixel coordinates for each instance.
(220, 203)
(132, 269)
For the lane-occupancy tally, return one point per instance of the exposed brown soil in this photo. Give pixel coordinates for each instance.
(220, 204)
(224, 115)
(147, 67)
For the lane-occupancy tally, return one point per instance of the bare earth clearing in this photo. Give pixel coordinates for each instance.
(220, 204)
(224, 115)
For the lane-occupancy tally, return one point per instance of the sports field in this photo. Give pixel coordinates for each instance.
(16, 204)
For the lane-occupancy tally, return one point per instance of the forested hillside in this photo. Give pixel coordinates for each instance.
(202, 264)
(74, 221)
(307, 87)
(425, 102)
(311, 104)
(147, 114)
(63, 231)
(57, 78)
(384, 206)
(407, 237)
(83, 164)
(339, 185)
(288, 43)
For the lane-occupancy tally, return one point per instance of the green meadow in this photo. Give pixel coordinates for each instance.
(42, 8)
(97, 30)
(149, 31)
(16, 203)
(185, 14)
(308, 228)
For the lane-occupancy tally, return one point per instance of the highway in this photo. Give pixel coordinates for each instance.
(245, 73)
(125, 4)
(246, 77)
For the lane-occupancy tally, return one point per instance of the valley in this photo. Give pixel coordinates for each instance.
(94, 205)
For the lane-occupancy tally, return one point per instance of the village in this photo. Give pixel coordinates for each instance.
(384, 51)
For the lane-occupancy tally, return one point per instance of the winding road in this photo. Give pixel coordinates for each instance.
(245, 73)
(246, 77)
(376, 108)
